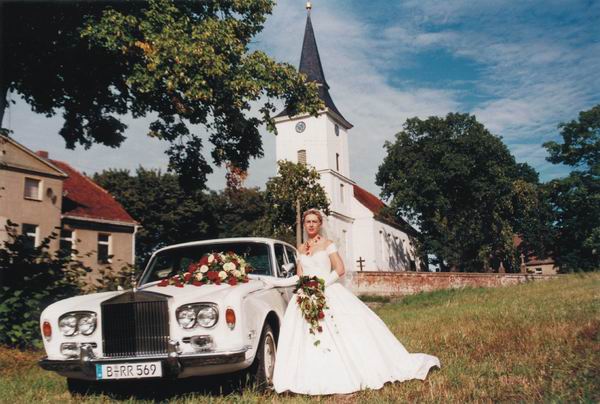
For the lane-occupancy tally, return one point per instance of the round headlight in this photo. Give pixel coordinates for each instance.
(87, 324)
(207, 316)
(68, 325)
(186, 317)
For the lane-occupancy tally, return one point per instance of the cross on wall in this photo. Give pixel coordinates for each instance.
(361, 261)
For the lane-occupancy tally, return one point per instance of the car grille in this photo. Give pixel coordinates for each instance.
(135, 324)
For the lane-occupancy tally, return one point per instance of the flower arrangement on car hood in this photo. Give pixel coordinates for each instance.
(212, 268)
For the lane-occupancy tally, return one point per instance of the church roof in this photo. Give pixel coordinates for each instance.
(374, 204)
(310, 65)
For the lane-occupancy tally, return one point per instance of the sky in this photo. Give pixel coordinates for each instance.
(520, 66)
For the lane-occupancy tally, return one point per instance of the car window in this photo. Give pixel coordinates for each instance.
(279, 256)
(173, 261)
(291, 254)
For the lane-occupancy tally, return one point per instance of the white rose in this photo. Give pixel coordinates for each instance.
(198, 276)
(222, 274)
(211, 258)
(229, 266)
(236, 273)
(203, 269)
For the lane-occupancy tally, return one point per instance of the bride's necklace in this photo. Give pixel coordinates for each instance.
(309, 243)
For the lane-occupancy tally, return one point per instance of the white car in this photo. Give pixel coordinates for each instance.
(173, 332)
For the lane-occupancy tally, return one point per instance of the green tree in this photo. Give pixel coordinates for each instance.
(294, 182)
(187, 63)
(240, 212)
(575, 200)
(167, 213)
(457, 182)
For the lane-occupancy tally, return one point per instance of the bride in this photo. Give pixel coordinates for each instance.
(355, 349)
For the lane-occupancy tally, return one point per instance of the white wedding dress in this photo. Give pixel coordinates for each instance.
(356, 351)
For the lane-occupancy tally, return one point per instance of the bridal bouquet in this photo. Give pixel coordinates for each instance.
(212, 268)
(310, 297)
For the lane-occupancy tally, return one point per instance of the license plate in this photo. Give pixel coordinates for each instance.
(128, 370)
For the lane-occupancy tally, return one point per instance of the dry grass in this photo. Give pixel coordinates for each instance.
(538, 342)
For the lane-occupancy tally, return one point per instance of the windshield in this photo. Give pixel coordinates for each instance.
(173, 261)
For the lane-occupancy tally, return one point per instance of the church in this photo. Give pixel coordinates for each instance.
(367, 241)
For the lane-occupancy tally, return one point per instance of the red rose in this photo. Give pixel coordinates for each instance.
(212, 275)
(203, 261)
(233, 281)
(245, 280)
(187, 276)
(321, 315)
(197, 283)
(163, 283)
(218, 281)
(320, 329)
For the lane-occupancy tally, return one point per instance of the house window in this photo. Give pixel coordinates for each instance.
(32, 189)
(103, 248)
(336, 128)
(302, 156)
(30, 231)
(341, 193)
(344, 241)
(337, 162)
(66, 241)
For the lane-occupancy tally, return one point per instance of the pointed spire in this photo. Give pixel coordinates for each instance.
(310, 62)
(310, 65)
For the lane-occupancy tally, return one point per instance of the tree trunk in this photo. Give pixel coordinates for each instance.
(3, 103)
(298, 224)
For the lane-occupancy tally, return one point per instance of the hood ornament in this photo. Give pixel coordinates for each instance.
(133, 283)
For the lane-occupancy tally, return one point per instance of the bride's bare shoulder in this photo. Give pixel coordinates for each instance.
(300, 248)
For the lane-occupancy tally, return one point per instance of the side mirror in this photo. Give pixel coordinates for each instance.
(287, 270)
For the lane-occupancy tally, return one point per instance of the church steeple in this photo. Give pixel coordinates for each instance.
(310, 65)
(310, 62)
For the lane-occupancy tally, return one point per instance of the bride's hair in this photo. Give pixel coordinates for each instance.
(313, 211)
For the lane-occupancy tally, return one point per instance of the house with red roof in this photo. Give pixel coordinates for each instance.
(43, 195)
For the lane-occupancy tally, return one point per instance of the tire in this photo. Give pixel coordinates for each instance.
(261, 371)
(81, 387)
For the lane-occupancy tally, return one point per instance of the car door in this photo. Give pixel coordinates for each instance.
(281, 259)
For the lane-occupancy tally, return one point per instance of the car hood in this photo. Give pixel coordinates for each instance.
(204, 293)
(178, 296)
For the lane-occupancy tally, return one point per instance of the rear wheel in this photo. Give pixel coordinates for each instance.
(264, 363)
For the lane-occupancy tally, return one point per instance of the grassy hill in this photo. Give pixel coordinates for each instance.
(533, 342)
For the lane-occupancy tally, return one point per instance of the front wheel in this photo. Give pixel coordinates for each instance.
(81, 387)
(264, 363)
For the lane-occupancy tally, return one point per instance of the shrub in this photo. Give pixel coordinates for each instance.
(30, 280)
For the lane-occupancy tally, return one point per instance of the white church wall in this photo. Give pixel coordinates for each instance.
(364, 244)
(337, 144)
(341, 233)
(394, 250)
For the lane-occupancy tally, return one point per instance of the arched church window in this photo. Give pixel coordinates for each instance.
(302, 156)
(337, 162)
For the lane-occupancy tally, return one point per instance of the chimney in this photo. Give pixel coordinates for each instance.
(42, 153)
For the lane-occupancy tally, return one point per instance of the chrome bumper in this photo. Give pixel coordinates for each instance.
(173, 363)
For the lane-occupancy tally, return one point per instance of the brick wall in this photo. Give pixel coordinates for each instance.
(406, 283)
